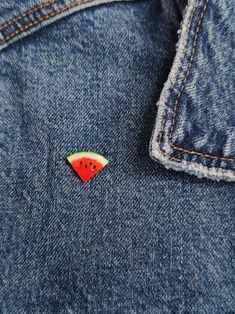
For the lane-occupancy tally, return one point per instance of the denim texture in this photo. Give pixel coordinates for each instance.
(136, 238)
(195, 126)
(18, 22)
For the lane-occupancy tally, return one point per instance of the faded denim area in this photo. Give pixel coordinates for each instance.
(195, 128)
(205, 119)
(136, 238)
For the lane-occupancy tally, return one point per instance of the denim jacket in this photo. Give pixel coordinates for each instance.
(149, 84)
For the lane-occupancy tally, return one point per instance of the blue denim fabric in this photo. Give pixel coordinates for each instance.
(195, 126)
(136, 238)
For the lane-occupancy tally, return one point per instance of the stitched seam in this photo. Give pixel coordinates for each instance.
(201, 154)
(195, 42)
(173, 158)
(26, 13)
(177, 76)
(46, 16)
(43, 18)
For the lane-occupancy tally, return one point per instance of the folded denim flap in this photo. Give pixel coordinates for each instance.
(195, 125)
(18, 20)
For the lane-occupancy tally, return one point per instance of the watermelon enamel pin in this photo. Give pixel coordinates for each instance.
(87, 164)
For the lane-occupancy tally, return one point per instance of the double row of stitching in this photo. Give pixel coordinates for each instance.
(181, 149)
(41, 19)
(78, 2)
(26, 13)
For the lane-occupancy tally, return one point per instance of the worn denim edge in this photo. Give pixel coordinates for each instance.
(191, 167)
(39, 25)
(155, 151)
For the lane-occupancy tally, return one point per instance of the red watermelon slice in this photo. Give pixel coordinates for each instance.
(87, 164)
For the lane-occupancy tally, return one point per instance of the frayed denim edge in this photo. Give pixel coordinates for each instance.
(155, 152)
(191, 167)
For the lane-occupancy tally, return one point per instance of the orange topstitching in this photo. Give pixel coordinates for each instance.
(195, 42)
(76, 2)
(41, 19)
(25, 13)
